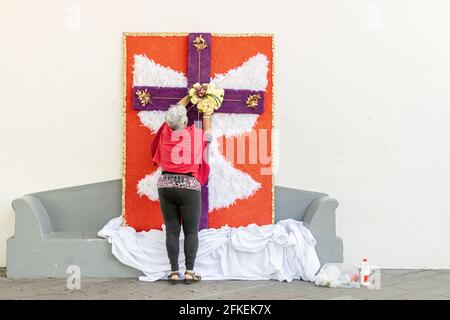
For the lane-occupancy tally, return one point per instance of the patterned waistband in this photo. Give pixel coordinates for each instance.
(175, 180)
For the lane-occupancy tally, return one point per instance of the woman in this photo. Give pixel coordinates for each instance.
(180, 151)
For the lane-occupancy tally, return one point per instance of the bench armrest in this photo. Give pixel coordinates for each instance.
(320, 216)
(32, 220)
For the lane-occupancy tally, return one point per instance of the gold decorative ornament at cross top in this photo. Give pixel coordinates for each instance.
(252, 100)
(144, 97)
(199, 43)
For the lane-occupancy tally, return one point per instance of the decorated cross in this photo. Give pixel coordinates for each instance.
(199, 68)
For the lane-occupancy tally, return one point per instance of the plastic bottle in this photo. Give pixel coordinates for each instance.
(365, 273)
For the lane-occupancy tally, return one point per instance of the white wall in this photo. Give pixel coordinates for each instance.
(362, 93)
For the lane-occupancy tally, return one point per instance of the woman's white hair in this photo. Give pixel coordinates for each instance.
(176, 116)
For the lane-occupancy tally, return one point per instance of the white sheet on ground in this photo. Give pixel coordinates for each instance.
(284, 251)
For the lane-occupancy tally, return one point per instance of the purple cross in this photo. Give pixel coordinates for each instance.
(199, 68)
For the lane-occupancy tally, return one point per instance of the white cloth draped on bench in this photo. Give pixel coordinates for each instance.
(283, 251)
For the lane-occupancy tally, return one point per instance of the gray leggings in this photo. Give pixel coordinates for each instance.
(181, 203)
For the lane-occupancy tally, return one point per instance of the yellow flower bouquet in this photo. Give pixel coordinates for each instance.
(206, 96)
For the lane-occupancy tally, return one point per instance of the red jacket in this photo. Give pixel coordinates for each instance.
(181, 151)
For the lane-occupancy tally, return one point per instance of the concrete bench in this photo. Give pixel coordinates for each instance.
(58, 228)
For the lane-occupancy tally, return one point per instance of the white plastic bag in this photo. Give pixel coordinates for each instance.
(338, 275)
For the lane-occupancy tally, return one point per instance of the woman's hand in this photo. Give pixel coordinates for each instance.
(207, 119)
(208, 112)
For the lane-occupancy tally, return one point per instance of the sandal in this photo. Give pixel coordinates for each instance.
(193, 277)
(173, 278)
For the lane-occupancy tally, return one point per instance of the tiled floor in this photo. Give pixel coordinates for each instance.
(395, 284)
